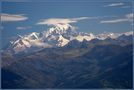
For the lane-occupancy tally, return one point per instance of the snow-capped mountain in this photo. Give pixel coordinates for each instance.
(105, 35)
(111, 35)
(56, 36)
(128, 33)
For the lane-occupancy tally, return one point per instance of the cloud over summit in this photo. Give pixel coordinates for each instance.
(55, 21)
(62, 23)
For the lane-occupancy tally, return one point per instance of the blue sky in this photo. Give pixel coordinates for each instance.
(22, 17)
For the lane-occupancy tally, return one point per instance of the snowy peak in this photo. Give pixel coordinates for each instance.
(21, 45)
(85, 36)
(60, 29)
(107, 35)
(57, 36)
(62, 41)
(51, 38)
(34, 35)
(63, 27)
(128, 33)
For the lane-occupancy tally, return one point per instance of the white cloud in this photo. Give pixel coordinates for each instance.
(62, 23)
(24, 28)
(126, 6)
(55, 21)
(127, 18)
(114, 4)
(12, 17)
(114, 21)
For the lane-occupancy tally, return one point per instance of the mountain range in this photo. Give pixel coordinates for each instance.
(56, 36)
(62, 58)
